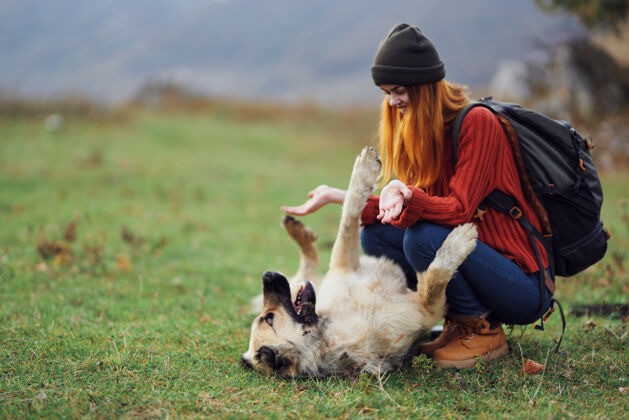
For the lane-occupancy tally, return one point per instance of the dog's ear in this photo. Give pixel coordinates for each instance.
(272, 359)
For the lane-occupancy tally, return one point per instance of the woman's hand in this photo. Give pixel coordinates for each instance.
(393, 198)
(319, 197)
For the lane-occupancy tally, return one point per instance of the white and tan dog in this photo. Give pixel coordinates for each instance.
(364, 317)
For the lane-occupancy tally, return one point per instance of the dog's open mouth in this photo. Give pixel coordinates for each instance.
(305, 300)
(276, 291)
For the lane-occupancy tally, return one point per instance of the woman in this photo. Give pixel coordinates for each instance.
(498, 282)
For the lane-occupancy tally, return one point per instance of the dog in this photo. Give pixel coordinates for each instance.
(360, 316)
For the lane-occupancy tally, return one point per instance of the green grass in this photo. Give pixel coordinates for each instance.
(153, 325)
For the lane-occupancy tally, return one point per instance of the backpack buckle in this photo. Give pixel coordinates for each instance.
(549, 313)
(515, 212)
(607, 233)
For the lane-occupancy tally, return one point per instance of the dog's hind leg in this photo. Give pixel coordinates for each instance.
(432, 283)
(346, 250)
(308, 255)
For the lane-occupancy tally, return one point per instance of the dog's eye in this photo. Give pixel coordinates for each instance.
(269, 318)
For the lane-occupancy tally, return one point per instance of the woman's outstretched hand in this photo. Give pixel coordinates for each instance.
(393, 198)
(319, 197)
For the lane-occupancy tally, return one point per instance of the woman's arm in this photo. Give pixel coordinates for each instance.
(318, 198)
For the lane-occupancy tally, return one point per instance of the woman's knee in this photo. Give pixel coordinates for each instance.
(376, 239)
(423, 239)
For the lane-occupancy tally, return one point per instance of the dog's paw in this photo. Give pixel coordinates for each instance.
(298, 231)
(460, 243)
(367, 166)
(455, 249)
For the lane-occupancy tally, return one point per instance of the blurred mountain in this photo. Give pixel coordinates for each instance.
(283, 49)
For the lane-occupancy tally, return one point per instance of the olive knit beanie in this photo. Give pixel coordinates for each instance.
(406, 57)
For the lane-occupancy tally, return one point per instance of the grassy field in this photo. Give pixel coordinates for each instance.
(129, 247)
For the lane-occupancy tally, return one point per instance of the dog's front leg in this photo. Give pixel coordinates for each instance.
(432, 283)
(346, 251)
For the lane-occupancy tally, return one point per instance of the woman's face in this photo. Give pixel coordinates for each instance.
(397, 96)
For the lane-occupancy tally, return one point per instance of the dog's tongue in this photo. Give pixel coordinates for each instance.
(298, 300)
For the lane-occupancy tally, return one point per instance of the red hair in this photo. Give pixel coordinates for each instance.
(411, 145)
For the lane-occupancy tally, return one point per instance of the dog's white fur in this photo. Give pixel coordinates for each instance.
(367, 318)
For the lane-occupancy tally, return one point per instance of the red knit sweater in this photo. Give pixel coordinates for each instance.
(485, 162)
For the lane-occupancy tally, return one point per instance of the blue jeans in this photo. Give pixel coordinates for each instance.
(485, 282)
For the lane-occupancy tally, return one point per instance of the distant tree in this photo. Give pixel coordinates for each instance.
(600, 14)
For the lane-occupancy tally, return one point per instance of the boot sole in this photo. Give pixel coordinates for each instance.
(461, 364)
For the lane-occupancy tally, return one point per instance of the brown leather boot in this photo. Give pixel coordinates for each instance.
(475, 339)
(450, 332)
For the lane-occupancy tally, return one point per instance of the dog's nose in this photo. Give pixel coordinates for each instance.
(271, 277)
(275, 283)
(268, 275)
(245, 363)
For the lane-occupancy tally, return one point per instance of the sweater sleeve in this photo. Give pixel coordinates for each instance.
(474, 175)
(371, 210)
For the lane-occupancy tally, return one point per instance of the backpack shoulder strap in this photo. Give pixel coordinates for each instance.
(458, 121)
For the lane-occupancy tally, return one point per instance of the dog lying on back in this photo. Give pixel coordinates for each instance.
(361, 316)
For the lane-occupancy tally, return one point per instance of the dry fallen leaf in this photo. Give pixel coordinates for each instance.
(123, 263)
(41, 267)
(604, 282)
(531, 366)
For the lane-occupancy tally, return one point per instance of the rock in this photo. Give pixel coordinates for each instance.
(572, 79)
